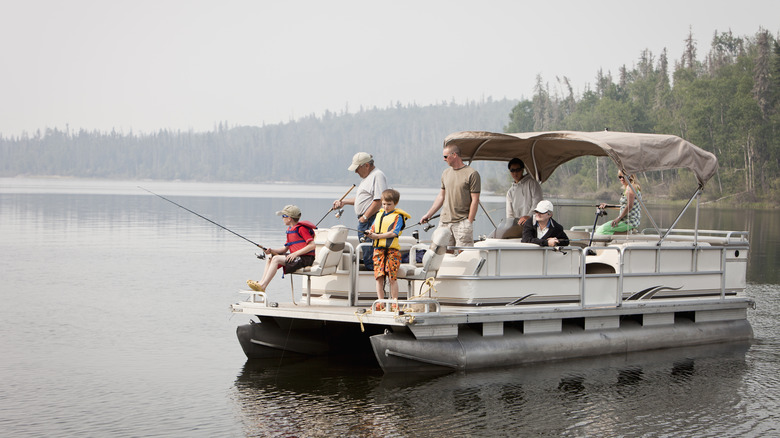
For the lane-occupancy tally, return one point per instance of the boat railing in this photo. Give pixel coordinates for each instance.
(407, 306)
(254, 295)
(705, 260)
(350, 251)
(711, 236)
(354, 292)
(621, 261)
(500, 253)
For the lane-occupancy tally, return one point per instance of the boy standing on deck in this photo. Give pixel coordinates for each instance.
(387, 227)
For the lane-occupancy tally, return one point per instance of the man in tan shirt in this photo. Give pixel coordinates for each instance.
(459, 197)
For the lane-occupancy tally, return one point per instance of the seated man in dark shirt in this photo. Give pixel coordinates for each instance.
(543, 230)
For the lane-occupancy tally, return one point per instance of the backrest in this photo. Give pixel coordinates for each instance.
(507, 229)
(330, 254)
(435, 254)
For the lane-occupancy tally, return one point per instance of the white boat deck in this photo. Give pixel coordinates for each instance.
(732, 307)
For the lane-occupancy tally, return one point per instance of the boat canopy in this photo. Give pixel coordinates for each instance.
(543, 152)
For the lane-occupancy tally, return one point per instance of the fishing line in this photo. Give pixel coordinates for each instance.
(204, 217)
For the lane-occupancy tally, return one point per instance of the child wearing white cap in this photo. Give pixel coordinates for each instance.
(543, 230)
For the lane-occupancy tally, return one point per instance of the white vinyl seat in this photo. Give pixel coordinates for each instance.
(328, 257)
(431, 261)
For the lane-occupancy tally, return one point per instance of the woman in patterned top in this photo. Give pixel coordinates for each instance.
(630, 210)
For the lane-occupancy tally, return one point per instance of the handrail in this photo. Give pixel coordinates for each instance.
(354, 296)
(621, 271)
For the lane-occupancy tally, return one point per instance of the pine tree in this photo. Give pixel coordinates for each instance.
(761, 75)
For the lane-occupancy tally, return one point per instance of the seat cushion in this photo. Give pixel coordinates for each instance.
(405, 270)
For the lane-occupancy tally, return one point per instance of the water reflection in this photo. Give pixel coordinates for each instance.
(114, 280)
(328, 396)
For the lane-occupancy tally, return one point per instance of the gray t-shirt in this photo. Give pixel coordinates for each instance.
(370, 188)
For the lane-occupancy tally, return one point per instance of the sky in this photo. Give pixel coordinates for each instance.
(140, 66)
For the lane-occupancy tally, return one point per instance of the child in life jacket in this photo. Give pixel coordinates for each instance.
(297, 253)
(387, 250)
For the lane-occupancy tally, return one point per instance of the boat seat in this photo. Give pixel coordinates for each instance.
(327, 260)
(431, 261)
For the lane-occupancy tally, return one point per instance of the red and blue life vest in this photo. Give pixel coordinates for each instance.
(299, 235)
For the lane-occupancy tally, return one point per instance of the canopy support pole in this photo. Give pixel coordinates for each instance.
(533, 158)
(696, 221)
(476, 151)
(695, 196)
(488, 216)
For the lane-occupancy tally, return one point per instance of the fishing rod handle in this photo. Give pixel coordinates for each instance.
(345, 194)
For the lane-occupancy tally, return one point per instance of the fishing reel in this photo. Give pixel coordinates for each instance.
(427, 226)
(600, 212)
(339, 213)
(260, 255)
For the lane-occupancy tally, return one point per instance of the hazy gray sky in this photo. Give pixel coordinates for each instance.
(189, 64)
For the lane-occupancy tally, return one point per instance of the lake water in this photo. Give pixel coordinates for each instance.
(114, 322)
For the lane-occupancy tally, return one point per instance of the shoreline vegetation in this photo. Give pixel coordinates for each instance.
(556, 198)
(726, 102)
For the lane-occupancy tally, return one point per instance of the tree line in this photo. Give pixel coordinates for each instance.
(406, 141)
(726, 102)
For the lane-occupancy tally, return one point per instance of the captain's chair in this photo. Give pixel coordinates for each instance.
(431, 261)
(327, 259)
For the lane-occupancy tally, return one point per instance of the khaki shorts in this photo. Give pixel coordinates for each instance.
(462, 233)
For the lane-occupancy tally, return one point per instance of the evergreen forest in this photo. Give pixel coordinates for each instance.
(726, 101)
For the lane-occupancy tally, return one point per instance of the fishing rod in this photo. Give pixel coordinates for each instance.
(590, 205)
(338, 215)
(427, 226)
(204, 217)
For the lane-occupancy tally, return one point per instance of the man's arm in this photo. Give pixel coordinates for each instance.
(376, 204)
(474, 207)
(339, 204)
(437, 203)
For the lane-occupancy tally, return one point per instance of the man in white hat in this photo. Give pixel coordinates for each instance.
(368, 198)
(543, 230)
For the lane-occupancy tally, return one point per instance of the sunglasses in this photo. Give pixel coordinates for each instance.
(284, 215)
(519, 169)
(620, 177)
(447, 156)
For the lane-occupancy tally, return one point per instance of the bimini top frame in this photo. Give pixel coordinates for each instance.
(543, 152)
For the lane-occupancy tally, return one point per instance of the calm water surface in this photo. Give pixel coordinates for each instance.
(115, 322)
